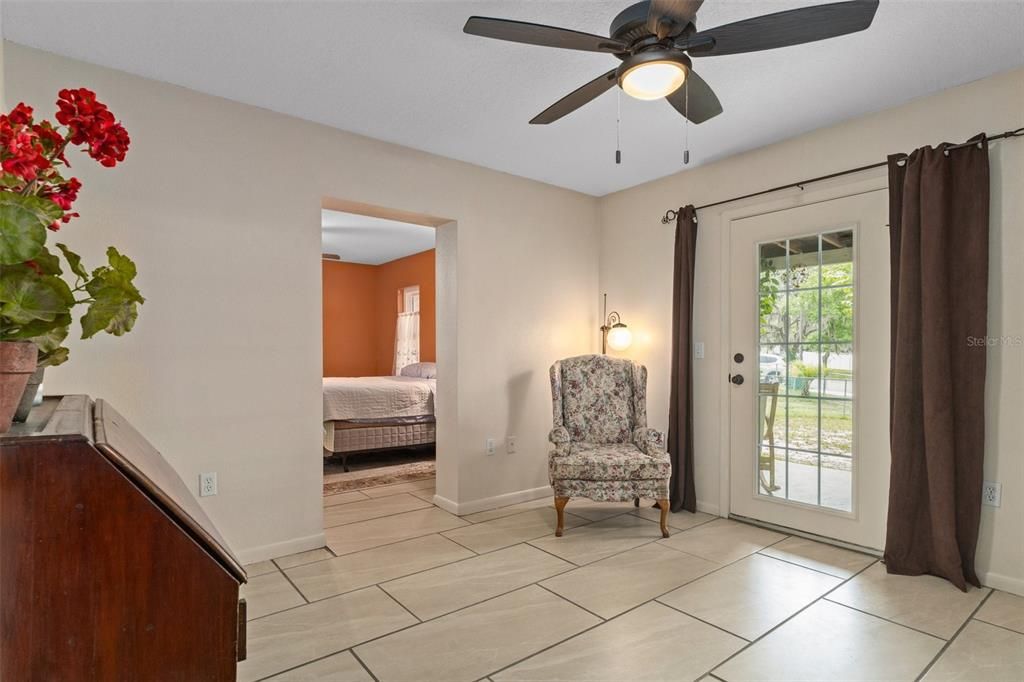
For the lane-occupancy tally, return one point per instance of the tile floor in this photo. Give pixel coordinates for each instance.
(407, 592)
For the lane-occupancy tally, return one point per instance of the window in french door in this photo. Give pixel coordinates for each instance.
(805, 355)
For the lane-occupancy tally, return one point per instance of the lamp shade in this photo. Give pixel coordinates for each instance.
(619, 337)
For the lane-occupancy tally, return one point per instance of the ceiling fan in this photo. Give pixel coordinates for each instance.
(655, 39)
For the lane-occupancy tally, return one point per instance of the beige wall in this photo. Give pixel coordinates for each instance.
(636, 271)
(219, 204)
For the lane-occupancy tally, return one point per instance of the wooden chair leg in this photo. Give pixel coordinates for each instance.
(663, 503)
(560, 503)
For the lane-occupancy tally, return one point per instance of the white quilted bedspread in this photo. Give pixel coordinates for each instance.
(377, 397)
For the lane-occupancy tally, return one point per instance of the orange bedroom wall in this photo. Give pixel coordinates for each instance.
(360, 305)
(417, 269)
(349, 319)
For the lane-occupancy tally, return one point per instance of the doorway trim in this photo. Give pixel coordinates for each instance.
(446, 331)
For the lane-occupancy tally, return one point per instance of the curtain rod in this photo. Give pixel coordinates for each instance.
(671, 215)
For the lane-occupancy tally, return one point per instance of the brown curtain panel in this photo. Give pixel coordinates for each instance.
(938, 219)
(680, 406)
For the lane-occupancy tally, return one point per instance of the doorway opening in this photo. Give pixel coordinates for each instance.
(379, 296)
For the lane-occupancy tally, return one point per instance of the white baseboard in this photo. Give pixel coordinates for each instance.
(1002, 582)
(280, 549)
(708, 508)
(487, 503)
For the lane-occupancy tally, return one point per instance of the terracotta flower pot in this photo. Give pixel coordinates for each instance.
(17, 363)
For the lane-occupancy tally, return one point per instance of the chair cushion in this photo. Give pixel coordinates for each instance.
(597, 399)
(607, 462)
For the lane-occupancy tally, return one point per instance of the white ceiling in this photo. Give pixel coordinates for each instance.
(372, 241)
(404, 72)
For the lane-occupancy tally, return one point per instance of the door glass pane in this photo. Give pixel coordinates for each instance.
(773, 318)
(805, 399)
(837, 370)
(803, 263)
(803, 378)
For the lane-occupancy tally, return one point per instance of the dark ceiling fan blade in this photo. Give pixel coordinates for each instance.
(703, 102)
(539, 34)
(670, 17)
(783, 29)
(576, 99)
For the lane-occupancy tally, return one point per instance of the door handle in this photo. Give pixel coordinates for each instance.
(736, 379)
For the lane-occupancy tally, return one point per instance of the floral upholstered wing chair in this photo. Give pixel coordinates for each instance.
(603, 448)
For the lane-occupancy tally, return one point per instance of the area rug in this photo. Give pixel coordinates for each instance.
(379, 471)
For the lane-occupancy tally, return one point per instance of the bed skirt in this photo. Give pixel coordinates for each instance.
(343, 436)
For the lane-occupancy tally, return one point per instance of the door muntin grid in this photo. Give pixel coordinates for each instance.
(805, 409)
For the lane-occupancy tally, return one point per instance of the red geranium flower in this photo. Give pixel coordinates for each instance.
(22, 149)
(91, 122)
(51, 139)
(21, 114)
(109, 145)
(64, 194)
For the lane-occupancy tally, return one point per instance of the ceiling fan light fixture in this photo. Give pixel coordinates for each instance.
(653, 75)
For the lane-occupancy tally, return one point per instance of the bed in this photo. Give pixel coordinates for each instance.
(369, 414)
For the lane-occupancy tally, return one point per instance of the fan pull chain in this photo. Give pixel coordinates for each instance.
(618, 126)
(686, 117)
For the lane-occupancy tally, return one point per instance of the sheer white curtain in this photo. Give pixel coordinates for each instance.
(407, 340)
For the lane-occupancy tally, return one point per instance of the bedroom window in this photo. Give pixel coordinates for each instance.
(407, 330)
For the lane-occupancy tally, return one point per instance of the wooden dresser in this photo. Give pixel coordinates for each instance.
(109, 569)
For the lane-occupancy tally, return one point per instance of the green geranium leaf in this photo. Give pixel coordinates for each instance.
(48, 263)
(123, 320)
(74, 261)
(26, 296)
(51, 340)
(34, 329)
(108, 303)
(23, 221)
(58, 356)
(118, 275)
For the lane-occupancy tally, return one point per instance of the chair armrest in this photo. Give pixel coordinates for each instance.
(650, 441)
(560, 437)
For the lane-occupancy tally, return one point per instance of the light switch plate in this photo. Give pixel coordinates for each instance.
(698, 350)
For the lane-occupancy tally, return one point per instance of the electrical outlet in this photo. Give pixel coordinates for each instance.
(991, 493)
(208, 484)
(510, 444)
(489, 446)
(698, 350)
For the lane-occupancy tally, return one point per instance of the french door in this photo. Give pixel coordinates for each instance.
(809, 358)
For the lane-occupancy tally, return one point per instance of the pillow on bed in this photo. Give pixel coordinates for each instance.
(423, 370)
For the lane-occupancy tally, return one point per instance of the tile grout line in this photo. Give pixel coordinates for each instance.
(561, 596)
(637, 606)
(449, 563)
(620, 615)
(573, 565)
(294, 587)
(502, 594)
(369, 672)
(816, 570)
(786, 620)
(997, 625)
(468, 549)
(956, 634)
(888, 620)
(426, 505)
(377, 584)
(404, 607)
